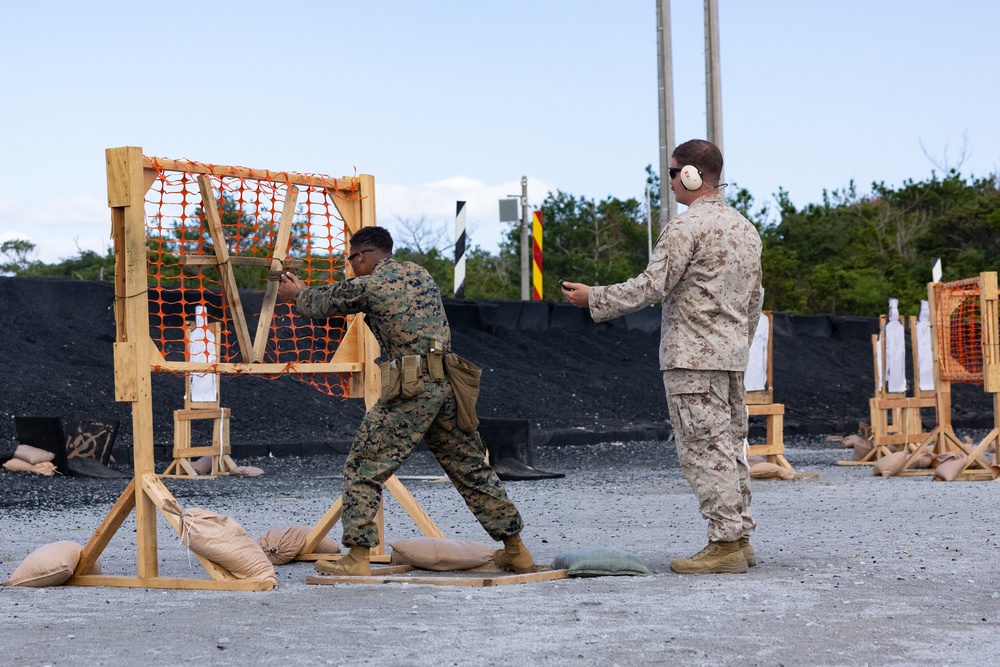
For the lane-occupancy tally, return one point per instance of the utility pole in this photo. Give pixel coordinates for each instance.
(665, 68)
(713, 74)
(525, 245)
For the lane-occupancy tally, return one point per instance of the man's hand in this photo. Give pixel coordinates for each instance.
(577, 294)
(290, 287)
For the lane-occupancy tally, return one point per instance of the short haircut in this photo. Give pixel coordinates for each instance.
(378, 238)
(703, 155)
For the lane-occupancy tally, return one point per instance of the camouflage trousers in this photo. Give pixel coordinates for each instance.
(709, 419)
(388, 435)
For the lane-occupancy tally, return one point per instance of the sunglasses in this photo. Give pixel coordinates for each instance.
(673, 171)
(350, 258)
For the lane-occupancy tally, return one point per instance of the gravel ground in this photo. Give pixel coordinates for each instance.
(854, 570)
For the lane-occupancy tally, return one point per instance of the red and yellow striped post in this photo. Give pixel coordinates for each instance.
(536, 256)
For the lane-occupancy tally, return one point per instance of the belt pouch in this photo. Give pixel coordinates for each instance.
(413, 377)
(389, 371)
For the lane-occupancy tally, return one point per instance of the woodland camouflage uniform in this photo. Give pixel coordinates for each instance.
(403, 308)
(705, 268)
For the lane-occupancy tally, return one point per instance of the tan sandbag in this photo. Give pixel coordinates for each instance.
(441, 555)
(222, 540)
(33, 454)
(949, 464)
(891, 464)
(862, 448)
(203, 465)
(282, 545)
(46, 468)
(247, 471)
(754, 460)
(764, 470)
(49, 565)
(924, 461)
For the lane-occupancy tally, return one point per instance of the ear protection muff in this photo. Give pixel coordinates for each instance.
(690, 177)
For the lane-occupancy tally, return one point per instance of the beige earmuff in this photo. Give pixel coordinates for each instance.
(690, 177)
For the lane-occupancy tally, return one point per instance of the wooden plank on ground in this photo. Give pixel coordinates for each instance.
(428, 578)
(167, 582)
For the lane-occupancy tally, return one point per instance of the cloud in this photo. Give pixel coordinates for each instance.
(60, 227)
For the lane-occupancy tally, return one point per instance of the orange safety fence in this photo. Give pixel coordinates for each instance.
(959, 331)
(184, 273)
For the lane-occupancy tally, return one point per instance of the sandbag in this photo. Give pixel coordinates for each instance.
(281, 545)
(767, 470)
(46, 468)
(440, 555)
(222, 540)
(247, 471)
(49, 565)
(949, 464)
(33, 455)
(891, 464)
(599, 562)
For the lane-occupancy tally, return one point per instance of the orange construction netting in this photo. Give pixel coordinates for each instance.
(184, 272)
(959, 331)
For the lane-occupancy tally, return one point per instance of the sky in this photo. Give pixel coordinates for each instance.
(455, 100)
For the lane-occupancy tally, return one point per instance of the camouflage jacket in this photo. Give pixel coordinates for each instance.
(705, 268)
(401, 301)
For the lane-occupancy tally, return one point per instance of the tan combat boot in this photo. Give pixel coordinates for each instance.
(716, 558)
(514, 557)
(357, 563)
(748, 552)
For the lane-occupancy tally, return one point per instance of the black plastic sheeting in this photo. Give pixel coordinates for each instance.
(541, 316)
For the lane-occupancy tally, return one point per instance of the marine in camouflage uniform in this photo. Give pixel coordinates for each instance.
(403, 309)
(705, 268)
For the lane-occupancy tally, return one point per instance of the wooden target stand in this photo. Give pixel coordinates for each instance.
(760, 402)
(896, 418)
(129, 176)
(194, 410)
(942, 438)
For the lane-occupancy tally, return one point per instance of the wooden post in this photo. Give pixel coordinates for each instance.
(126, 198)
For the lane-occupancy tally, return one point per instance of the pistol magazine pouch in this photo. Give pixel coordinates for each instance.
(390, 376)
(413, 376)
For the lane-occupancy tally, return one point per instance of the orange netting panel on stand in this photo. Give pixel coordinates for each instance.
(959, 331)
(183, 271)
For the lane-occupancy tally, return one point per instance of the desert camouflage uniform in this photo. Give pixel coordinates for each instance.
(403, 308)
(705, 268)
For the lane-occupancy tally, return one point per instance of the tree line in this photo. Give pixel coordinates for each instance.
(845, 255)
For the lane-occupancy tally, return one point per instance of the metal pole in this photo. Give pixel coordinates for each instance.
(665, 69)
(525, 245)
(713, 73)
(649, 225)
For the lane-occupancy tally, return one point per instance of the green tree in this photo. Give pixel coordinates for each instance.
(16, 256)
(246, 235)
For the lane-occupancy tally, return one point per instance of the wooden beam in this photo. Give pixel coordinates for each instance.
(345, 183)
(277, 263)
(109, 526)
(214, 222)
(210, 260)
(255, 369)
(165, 582)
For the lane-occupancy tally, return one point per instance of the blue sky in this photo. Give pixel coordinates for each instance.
(452, 100)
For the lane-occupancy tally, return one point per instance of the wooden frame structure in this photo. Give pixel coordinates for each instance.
(194, 410)
(129, 176)
(760, 402)
(896, 418)
(942, 438)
